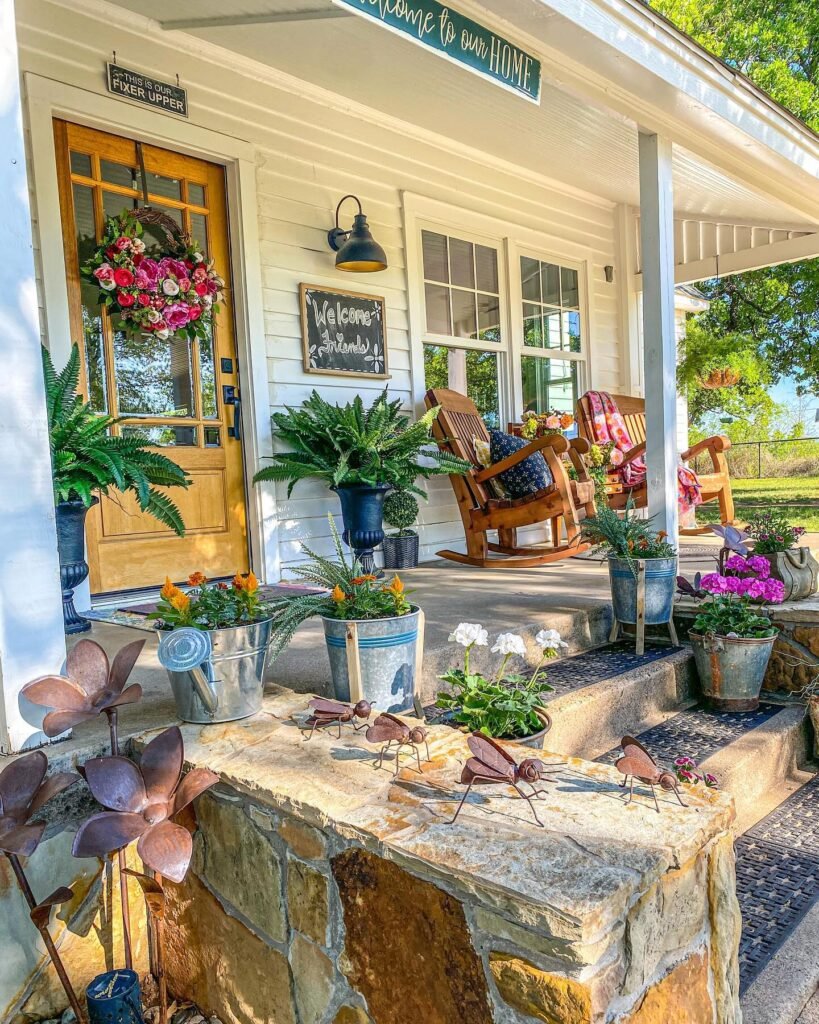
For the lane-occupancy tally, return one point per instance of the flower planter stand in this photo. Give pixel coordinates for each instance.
(655, 613)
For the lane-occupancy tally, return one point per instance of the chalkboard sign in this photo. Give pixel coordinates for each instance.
(344, 333)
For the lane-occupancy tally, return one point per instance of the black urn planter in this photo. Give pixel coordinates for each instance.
(73, 566)
(362, 512)
(400, 552)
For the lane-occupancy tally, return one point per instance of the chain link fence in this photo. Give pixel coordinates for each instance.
(748, 460)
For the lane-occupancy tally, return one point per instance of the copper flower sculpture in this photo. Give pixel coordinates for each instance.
(93, 686)
(142, 800)
(24, 789)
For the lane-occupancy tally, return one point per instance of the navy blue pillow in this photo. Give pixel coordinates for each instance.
(528, 476)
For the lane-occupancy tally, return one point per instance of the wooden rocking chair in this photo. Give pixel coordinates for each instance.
(716, 486)
(564, 502)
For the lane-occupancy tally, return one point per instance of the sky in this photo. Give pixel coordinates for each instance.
(785, 394)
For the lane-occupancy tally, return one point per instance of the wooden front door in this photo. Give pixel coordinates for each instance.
(172, 391)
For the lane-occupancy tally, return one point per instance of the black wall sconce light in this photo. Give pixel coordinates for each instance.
(356, 250)
(608, 270)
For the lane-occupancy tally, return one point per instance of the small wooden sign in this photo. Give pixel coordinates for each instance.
(135, 86)
(343, 333)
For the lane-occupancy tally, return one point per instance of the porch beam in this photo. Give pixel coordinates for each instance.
(32, 641)
(269, 18)
(659, 341)
(789, 250)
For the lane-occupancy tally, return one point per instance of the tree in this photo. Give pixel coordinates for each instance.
(764, 323)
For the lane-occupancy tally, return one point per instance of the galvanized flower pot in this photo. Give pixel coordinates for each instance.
(387, 649)
(731, 669)
(216, 675)
(797, 570)
(661, 584)
(537, 739)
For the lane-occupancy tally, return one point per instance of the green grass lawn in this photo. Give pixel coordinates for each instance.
(799, 496)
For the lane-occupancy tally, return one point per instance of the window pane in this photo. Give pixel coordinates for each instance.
(464, 315)
(81, 164)
(207, 377)
(437, 303)
(119, 174)
(436, 370)
(549, 384)
(482, 385)
(436, 256)
(461, 263)
(114, 205)
(489, 318)
(486, 268)
(165, 435)
(571, 332)
(153, 376)
(530, 278)
(532, 326)
(551, 329)
(550, 283)
(196, 194)
(568, 281)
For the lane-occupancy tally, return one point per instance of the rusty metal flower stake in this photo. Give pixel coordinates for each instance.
(24, 789)
(92, 687)
(141, 802)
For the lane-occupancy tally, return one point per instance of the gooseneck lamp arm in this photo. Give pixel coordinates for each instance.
(337, 236)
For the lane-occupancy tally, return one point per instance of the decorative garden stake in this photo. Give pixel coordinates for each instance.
(393, 730)
(334, 712)
(155, 901)
(637, 763)
(93, 687)
(491, 764)
(23, 791)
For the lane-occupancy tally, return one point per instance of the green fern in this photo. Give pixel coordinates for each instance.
(347, 444)
(87, 458)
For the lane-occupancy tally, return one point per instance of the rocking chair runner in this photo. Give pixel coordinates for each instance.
(566, 501)
(716, 486)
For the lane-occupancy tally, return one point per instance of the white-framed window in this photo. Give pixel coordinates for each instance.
(465, 334)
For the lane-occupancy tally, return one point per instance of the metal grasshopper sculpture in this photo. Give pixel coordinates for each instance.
(637, 763)
(326, 712)
(392, 730)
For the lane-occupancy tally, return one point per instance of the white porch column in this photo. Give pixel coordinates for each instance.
(659, 340)
(31, 626)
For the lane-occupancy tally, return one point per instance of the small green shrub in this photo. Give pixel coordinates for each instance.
(400, 511)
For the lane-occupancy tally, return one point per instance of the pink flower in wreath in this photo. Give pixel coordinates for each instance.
(184, 284)
(213, 287)
(199, 274)
(123, 243)
(194, 312)
(176, 316)
(143, 299)
(150, 268)
(142, 280)
(124, 278)
(104, 273)
(125, 299)
(201, 288)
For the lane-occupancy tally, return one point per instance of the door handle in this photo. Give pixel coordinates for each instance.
(230, 396)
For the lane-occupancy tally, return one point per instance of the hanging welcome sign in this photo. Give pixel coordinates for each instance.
(457, 37)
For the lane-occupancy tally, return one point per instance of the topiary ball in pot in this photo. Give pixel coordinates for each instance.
(401, 548)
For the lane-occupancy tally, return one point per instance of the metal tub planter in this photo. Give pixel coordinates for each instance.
(387, 650)
(731, 669)
(660, 586)
(216, 675)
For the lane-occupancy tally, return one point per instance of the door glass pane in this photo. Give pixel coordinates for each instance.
(568, 282)
(153, 377)
(530, 279)
(196, 194)
(213, 437)
(119, 174)
(486, 268)
(199, 230)
(159, 185)
(436, 256)
(114, 205)
(461, 263)
(550, 283)
(488, 317)
(207, 377)
(464, 315)
(91, 317)
(153, 233)
(437, 303)
(81, 164)
(549, 384)
(165, 435)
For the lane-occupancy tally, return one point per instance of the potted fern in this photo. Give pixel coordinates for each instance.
(400, 548)
(386, 626)
(360, 454)
(88, 460)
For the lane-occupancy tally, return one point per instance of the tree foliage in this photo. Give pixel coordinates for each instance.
(764, 323)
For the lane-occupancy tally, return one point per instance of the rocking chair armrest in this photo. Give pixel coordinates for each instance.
(717, 443)
(556, 442)
(637, 452)
(578, 447)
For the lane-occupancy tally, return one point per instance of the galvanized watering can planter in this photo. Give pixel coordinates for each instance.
(644, 598)
(375, 659)
(731, 669)
(797, 570)
(216, 675)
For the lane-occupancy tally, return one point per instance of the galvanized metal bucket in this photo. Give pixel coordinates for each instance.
(216, 675)
(661, 584)
(731, 669)
(387, 650)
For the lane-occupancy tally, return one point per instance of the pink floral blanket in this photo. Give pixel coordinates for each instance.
(608, 425)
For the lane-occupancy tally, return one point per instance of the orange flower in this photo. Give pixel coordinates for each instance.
(222, 586)
(661, 535)
(396, 587)
(367, 578)
(247, 582)
(196, 579)
(338, 594)
(180, 601)
(169, 589)
(566, 420)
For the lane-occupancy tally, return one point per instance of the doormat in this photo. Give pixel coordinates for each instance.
(135, 616)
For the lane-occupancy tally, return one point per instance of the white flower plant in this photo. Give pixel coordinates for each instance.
(505, 706)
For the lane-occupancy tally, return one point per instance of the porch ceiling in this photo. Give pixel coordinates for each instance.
(566, 138)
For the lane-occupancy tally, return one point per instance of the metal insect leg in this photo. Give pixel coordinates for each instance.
(677, 795)
(528, 800)
(418, 757)
(653, 793)
(426, 744)
(338, 723)
(631, 790)
(460, 805)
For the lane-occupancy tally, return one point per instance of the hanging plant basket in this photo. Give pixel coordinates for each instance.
(167, 290)
(724, 378)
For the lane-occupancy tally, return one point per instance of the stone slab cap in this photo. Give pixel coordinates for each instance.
(575, 877)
